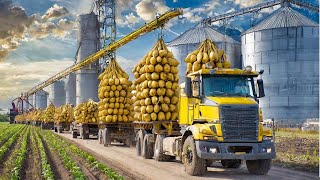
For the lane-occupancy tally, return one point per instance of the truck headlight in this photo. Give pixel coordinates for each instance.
(267, 138)
(213, 150)
(269, 150)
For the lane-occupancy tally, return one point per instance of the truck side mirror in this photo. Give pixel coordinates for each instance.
(188, 87)
(260, 88)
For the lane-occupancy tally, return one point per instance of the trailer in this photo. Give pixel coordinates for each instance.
(84, 130)
(119, 132)
(59, 127)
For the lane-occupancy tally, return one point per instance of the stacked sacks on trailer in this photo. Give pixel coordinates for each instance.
(116, 104)
(86, 112)
(156, 85)
(206, 54)
(67, 113)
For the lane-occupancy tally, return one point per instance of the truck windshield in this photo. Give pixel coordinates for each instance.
(226, 86)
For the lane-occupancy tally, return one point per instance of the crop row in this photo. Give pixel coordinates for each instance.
(85, 155)
(20, 156)
(68, 162)
(5, 147)
(6, 133)
(46, 170)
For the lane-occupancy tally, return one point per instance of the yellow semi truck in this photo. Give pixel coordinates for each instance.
(219, 120)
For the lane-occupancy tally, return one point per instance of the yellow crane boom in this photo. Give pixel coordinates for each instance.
(158, 22)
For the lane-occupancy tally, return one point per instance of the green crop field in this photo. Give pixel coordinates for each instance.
(298, 149)
(28, 152)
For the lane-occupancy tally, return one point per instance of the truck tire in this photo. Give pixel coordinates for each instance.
(193, 164)
(106, 137)
(259, 167)
(231, 163)
(209, 162)
(158, 149)
(138, 145)
(100, 136)
(74, 134)
(147, 147)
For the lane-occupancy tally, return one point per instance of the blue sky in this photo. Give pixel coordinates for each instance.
(48, 44)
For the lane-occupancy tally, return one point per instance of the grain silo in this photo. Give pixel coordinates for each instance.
(88, 40)
(57, 94)
(285, 45)
(40, 99)
(191, 39)
(70, 88)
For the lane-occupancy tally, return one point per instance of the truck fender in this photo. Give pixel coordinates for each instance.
(190, 130)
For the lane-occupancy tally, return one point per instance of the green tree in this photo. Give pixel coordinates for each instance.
(4, 118)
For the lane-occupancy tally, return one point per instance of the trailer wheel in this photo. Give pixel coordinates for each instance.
(55, 129)
(147, 147)
(259, 167)
(100, 139)
(158, 146)
(138, 145)
(106, 137)
(193, 164)
(140, 135)
(231, 163)
(74, 134)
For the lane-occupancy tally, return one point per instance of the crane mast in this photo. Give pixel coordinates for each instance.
(112, 47)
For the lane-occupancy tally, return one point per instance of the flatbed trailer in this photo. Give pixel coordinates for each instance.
(59, 127)
(150, 135)
(121, 132)
(84, 130)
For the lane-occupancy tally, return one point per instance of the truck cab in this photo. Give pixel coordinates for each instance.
(220, 119)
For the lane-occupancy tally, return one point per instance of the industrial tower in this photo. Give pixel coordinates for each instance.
(105, 10)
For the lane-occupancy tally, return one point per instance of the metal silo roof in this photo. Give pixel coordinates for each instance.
(200, 33)
(283, 17)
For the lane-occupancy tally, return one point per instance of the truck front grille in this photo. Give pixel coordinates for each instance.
(239, 122)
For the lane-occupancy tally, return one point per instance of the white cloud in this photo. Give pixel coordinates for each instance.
(17, 78)
(55, 12)
(147, 9)
(247, 3)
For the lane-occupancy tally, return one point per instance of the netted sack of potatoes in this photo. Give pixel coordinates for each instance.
(115, 95)
(156, 85)
(86, 112)
(209, 54)
(49, 113)
(67, 113)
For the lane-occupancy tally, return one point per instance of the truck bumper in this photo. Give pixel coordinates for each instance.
(218, 151)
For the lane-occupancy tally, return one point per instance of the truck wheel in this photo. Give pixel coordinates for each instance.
(231, 163)
(106, 137)
(158, 146)
(209, 162)
(100, 139)
(147, 147)
(193, 164)
(74, 134)
(128, 142)
(138, 145)
(259, 167)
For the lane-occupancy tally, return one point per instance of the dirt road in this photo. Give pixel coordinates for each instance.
(125, 160)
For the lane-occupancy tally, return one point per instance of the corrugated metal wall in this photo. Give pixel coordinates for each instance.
(290, 58)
